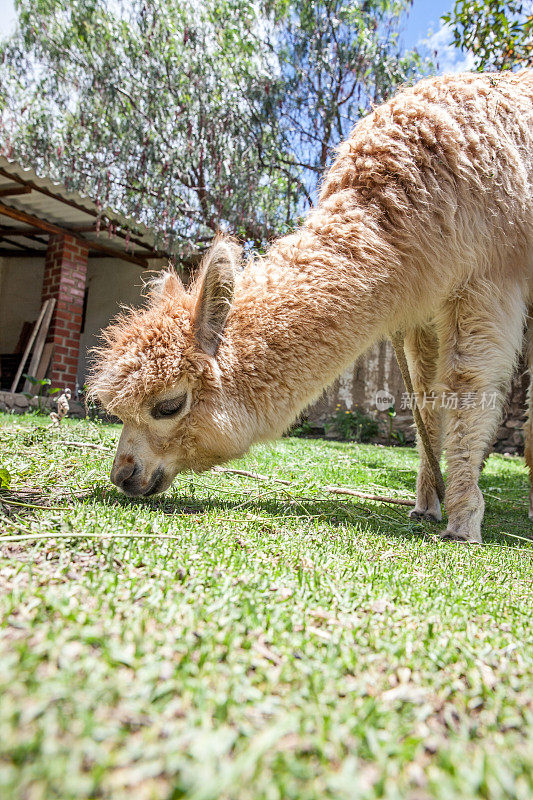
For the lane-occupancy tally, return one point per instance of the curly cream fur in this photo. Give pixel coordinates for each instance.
(425, 224)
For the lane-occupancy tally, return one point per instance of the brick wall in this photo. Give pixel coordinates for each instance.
(64, 279)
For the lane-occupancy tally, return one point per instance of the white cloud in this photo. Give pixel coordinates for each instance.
(440, 49)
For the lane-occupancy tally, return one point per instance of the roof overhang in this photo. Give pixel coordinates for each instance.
(32, 208)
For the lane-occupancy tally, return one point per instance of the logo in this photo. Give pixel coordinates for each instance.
(384, 400)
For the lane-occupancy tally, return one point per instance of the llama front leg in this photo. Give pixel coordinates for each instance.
(528, 427)
(421, 350)
(480, 336)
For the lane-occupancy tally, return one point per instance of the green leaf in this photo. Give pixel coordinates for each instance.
(5, 478)
(499, 33)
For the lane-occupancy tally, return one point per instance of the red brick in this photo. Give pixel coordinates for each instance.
(65, 279)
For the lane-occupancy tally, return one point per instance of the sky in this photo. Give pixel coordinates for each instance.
(423, 28)
(425, 16)
(7, 17)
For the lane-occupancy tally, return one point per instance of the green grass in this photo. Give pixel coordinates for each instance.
(283, 645)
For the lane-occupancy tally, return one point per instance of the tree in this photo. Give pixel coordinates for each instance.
(499, 33)
(138, 105)
(337, 59)
(196, 116)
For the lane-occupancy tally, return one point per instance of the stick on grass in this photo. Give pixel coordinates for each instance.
(378, 498)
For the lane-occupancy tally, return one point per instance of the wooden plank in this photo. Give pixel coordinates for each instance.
(14, 188)
(29, 346)
(17, 245)
(7, 231)
(5, 252)
(24, 337)
(39, 345)
(44, 362)
(49, 227)
(74, 229)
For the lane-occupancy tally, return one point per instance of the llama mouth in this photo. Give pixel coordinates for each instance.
(158, 481)
(133, 489)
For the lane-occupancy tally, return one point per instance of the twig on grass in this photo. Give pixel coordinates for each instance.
(90, 445)
(513, 536)
(245, 474)
(378, 498)
(504, 500)
(16, 527)
(10, 502)
(267, 478)
(37, 536)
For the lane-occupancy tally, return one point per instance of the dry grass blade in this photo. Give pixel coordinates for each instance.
(245, 474)
(90, 445)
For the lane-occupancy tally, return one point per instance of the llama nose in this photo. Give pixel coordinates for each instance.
(120, 476)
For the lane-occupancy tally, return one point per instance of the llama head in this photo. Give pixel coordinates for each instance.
(157, 370)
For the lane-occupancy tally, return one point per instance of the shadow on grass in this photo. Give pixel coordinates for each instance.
(502, 522)
(385, 520)
(505, 495)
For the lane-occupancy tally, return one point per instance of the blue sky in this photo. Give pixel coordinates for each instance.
(424, 17)
(424, 28)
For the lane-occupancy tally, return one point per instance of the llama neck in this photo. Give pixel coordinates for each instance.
(300, 317)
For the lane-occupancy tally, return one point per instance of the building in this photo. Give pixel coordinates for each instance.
(62, 245)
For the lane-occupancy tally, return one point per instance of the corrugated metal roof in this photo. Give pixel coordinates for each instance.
(51, 202)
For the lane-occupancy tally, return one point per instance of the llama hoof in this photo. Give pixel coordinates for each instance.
(427, 507)
(431, 516)
(458, 536)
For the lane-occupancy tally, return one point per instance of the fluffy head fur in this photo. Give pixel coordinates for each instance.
(143, 350)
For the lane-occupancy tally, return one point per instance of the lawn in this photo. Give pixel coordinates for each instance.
(278, 643)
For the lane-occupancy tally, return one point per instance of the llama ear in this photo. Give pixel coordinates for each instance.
(214, 287)
(166, 282)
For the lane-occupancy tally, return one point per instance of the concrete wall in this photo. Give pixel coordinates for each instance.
(111, 283)
(21, 281)
(378, 370)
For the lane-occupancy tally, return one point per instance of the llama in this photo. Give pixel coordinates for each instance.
(424, 225)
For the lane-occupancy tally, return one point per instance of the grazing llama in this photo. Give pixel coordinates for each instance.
(424, 225)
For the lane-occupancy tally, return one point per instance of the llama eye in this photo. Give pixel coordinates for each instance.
(169, 408)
